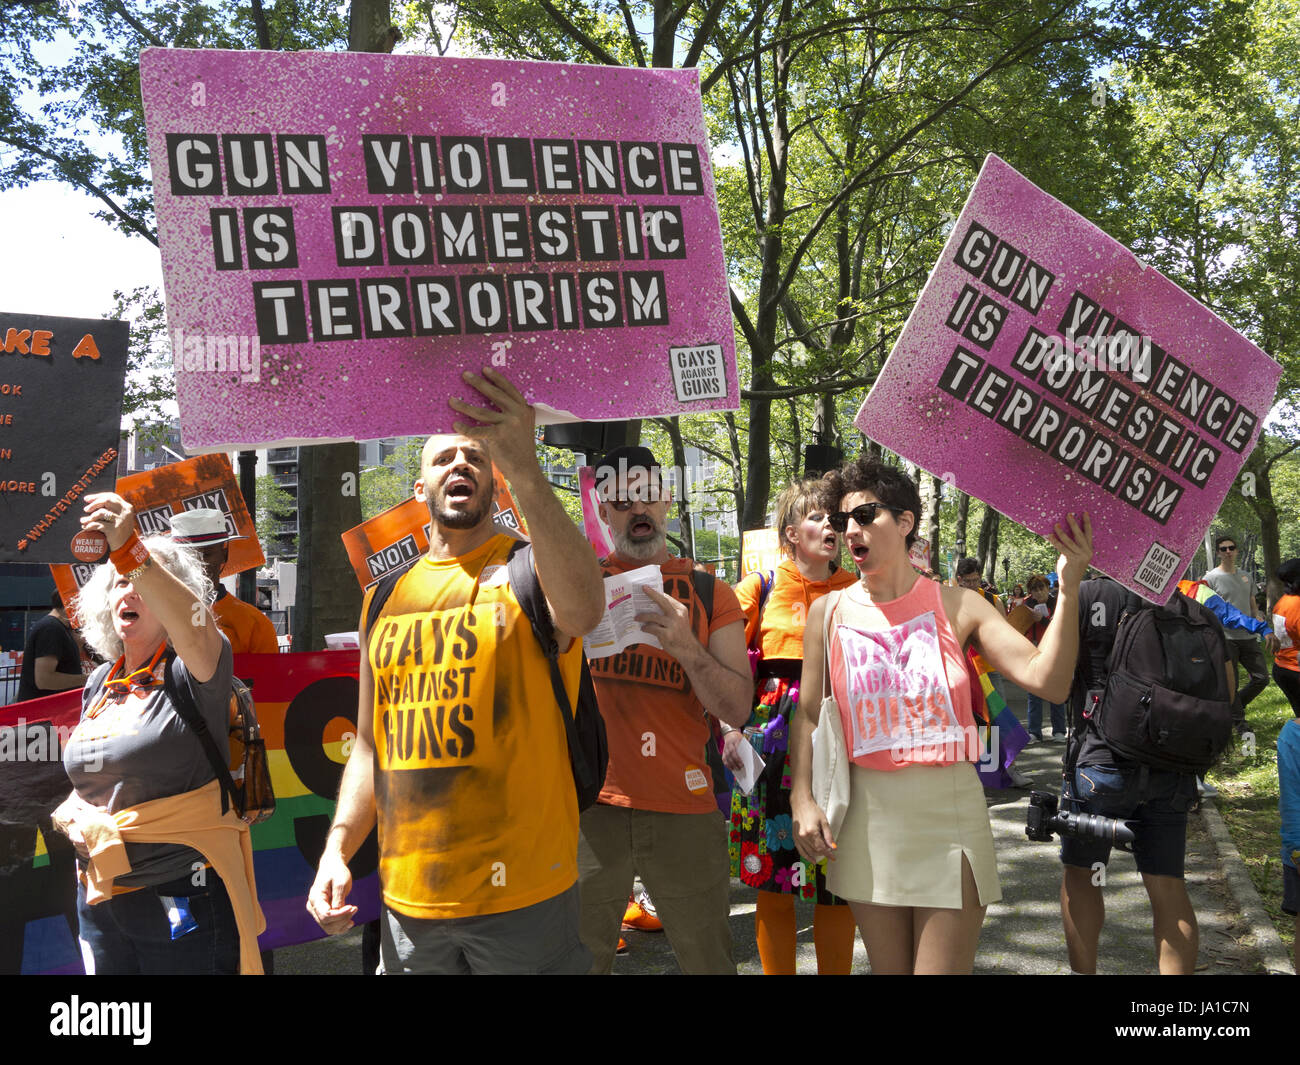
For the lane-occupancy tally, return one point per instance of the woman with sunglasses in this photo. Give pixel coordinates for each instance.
(914, 855)
(163, 872)
(763, 856)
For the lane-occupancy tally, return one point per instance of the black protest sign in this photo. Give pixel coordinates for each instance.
(61, 382)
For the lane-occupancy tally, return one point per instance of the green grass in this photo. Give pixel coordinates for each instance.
(1248, 795)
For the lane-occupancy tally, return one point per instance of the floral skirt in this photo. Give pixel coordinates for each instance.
(761, 846)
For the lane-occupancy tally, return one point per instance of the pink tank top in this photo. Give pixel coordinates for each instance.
(901, 683)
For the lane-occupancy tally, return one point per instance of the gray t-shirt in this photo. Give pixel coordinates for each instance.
(1235, 588)
(140, 749)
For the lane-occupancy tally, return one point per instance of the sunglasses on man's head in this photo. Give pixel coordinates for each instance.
(864, 515)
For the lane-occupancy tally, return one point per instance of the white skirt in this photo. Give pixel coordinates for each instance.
(905, 833)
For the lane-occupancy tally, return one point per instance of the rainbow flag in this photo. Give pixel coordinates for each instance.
(1008, 733)
(307, 707)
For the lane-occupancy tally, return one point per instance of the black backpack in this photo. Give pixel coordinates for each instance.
(584, 728)
(246, 781)
(1165, 703)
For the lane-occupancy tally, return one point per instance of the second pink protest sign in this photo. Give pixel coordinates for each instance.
(1047, 370)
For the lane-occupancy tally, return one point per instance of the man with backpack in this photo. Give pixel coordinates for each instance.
(656, 816)
(1151, 707)
(461, 750)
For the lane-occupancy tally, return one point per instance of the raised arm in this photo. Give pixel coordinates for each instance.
(189, 624)
(48, 677)
(354, 816)
(566, 565)
(812, 832)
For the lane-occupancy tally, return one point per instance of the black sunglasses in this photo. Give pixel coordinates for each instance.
(864, 515)
(1225, 547)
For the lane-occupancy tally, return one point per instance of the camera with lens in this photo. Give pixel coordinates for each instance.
(1043, 820)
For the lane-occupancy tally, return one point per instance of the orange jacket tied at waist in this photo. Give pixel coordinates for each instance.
(193, 819)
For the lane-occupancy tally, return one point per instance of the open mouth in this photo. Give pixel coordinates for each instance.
(128, 615)
(830, 540)
(859, 552)
(641, 527)
(460, 488)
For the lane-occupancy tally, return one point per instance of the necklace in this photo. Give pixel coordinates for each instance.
(119, 688)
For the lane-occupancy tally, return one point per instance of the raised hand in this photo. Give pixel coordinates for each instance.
(1076, 550)
(508, 428)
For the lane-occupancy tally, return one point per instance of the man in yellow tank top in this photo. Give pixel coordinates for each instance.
(461, 756)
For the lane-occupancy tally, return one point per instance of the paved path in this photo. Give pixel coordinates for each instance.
(1021, 934)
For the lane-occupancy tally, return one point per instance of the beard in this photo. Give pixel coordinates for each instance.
(465, 518)
(643, 547)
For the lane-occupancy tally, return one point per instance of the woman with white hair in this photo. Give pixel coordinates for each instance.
(165, 876)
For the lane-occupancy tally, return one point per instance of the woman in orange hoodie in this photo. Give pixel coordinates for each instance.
(141, 776)
(762, 841)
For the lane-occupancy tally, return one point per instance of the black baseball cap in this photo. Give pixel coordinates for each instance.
(620, 462)
(629, 457)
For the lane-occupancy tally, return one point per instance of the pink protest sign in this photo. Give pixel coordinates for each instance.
(597, 531)
(343, 234)
(1046, 370)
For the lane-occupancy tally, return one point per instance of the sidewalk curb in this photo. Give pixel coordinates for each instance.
(1268, 943)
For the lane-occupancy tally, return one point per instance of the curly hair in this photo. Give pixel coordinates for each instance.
(95, 612)
(795, 503)
(888, 484)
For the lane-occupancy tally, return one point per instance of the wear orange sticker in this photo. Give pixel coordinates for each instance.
(203, 481)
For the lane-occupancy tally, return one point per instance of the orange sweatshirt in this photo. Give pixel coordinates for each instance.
(194, 820)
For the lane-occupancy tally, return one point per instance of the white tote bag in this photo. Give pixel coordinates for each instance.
(830, 760)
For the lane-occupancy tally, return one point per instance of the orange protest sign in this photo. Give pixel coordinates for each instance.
(759, 551)
(203, 481)
(1021, 618)
(392, 540)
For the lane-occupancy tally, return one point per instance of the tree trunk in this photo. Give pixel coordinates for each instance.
(672, 426)
(932, 529)
(1269, 534)
(329, 503)
(758, 481)
(991, 569)
(247, 580)
(987, 546)
(737, 470)
(963, 515)
(929, 493)
(796, 440)
(329, 500)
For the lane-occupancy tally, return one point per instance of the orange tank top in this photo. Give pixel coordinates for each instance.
(900, 680)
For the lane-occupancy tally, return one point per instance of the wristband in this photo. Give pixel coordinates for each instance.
(130, 557)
